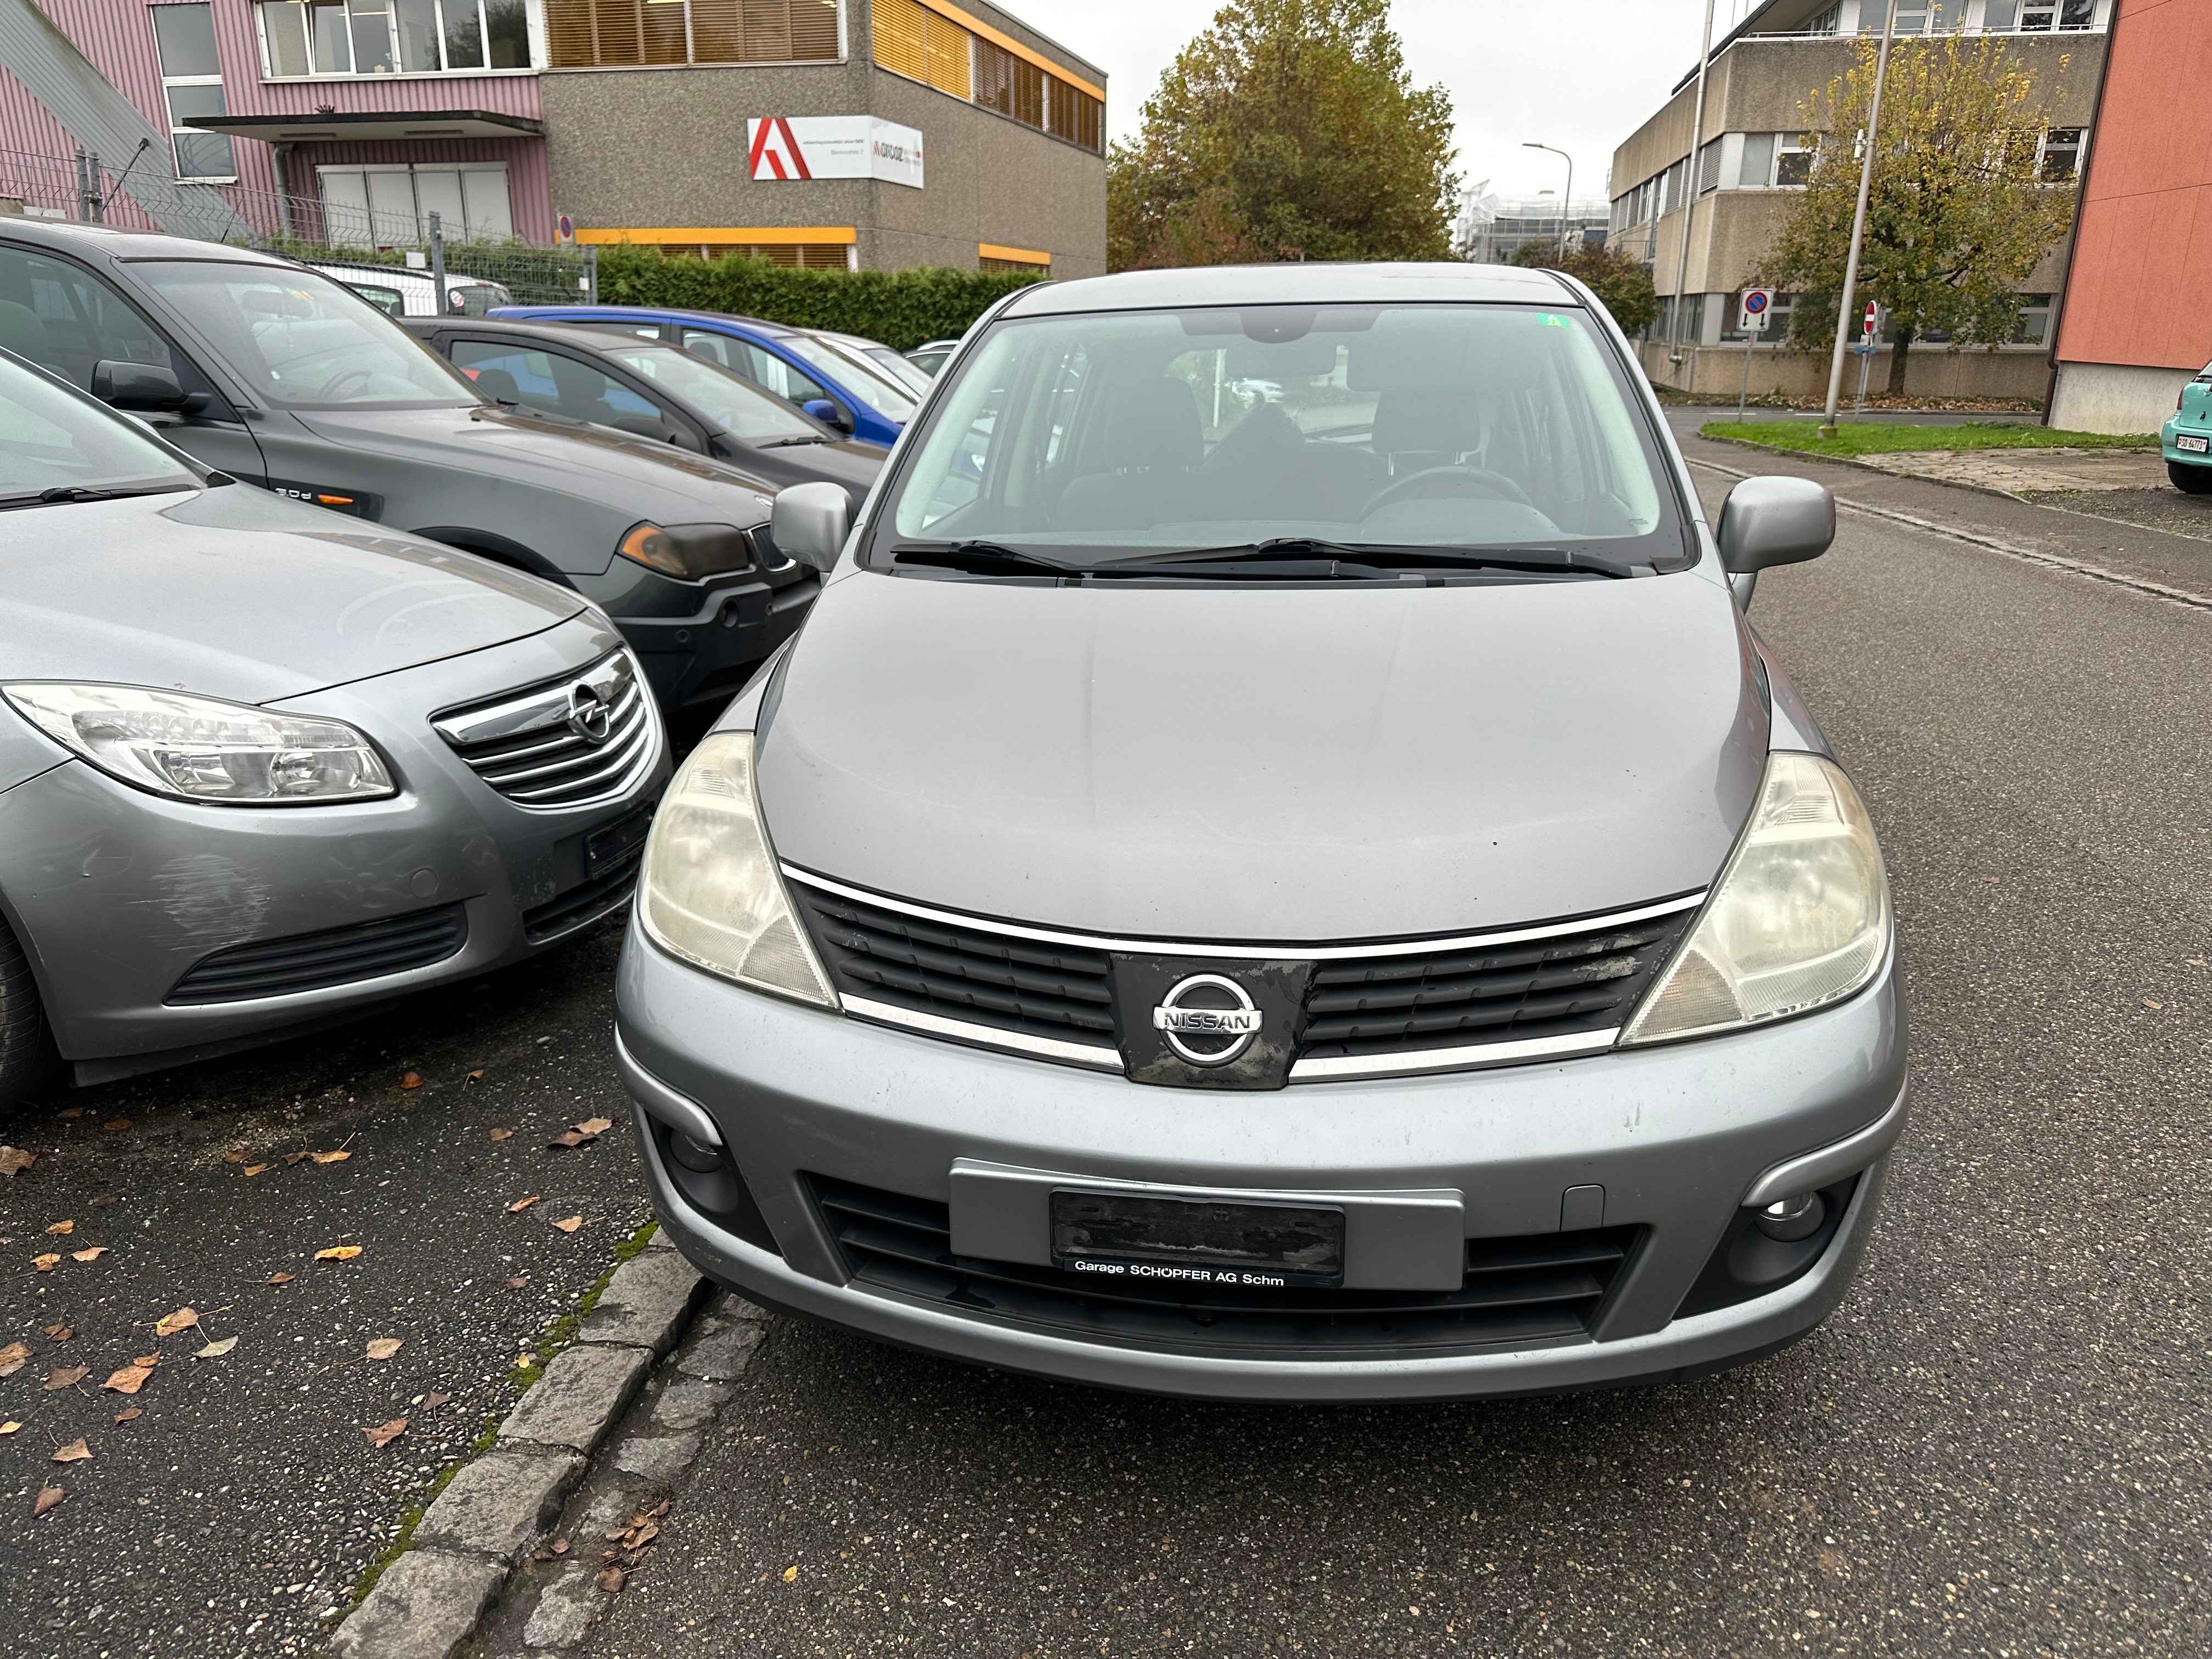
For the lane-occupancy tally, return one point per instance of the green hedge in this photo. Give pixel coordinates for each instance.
(902, 308)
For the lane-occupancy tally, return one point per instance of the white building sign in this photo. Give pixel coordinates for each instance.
(832, 147)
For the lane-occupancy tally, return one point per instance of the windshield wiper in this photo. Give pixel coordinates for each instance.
(785, 443)
(1399, 557)
(60, 494)
(986, 559)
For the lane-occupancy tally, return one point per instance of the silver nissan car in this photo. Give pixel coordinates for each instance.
(1278, 868)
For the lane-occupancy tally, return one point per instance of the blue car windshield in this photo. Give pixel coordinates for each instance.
(872, 387)
(1090, 436)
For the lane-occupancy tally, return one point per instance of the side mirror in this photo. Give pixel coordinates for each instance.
(809, 522)
(828, 413)
(1774, 521)
(145, 386)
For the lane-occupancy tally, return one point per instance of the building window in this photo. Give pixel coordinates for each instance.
(2061, 161)
(191, 87)
(318, 37)
(1756, 170)
(2034, 325)
(1709, 167)
(1793, 157)
(992, 257)
(640, 33)
(1828, 23)
(1007, 84)
(391, 206)
(915, 40)
(2042, 17)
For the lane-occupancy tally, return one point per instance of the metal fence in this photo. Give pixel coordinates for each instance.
(140, 195)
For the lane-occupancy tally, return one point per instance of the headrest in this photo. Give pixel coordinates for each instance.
(22, 332)
(497, 384)
(1153, 427)
(1433, 420)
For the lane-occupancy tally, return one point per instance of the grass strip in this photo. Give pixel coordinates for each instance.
(1874, 438)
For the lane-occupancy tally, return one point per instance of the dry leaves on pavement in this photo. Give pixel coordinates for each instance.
(9, 1427)
(522, 1204)
(14, 1160)
(75, 1452)
(502, 1135)
(790, 1573)
(383, 1434)
(584, 1133)
(48, 1496)
(257, 1169)
(384, 1347)
(128, 1413)
(339, 1157)
(338, 1253)
(473, 1077)
(412, 1080)
(117, 1123)
(13, 1358)
(128, 1379)
(569, 1224)
(67, 1377)
(217, 1350)
(170, 1324)
(45, 1264)
(290, 1158)
(59, 1333)
(63, 1228)
(90, 1252)
(278, 1279)
(612, 1580)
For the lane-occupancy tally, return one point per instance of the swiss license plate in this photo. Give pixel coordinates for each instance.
(610, 845)
(2192, 446)
(1261, 1244)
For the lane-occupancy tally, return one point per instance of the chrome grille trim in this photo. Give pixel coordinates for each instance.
(985, 1037)
(1342, 1068)
(524, 745)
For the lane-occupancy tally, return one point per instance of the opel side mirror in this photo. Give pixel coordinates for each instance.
(809, 522)
(143, 386)
(1767, 521)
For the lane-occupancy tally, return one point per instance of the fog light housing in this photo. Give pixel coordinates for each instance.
(1789, 1219)
(708, 1179)
(1751, 1260)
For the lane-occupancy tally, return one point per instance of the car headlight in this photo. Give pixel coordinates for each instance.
(1799, 919)
(202, 749)
(711, 892)
(687, 551)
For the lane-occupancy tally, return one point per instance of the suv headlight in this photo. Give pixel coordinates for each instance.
(1799, 919)
(202, 749)
(711, 892)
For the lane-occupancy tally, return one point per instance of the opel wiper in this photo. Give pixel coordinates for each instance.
(986, 559)
(1403, 557)
(785, 443)
(59, 493)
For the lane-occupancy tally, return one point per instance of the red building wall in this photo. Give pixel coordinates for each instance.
(2141, 288)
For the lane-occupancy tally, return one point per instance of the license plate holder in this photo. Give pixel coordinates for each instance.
(1198, 1243)
(610, 843)
(2192, 445)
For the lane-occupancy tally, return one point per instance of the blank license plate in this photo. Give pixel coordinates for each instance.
(607, 847)
(2194, 446)
(1197, 1240)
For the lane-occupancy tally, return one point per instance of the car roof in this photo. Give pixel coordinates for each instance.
(529, 328)
(117, 242)
(678, 314)
(1294, 284)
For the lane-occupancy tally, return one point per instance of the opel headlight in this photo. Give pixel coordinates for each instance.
(712, 895)
(204, 750)
(1799, 919)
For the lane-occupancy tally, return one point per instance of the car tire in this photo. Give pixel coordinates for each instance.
(26, 1057)
(2189, 480)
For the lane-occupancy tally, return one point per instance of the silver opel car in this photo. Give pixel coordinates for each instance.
(1278, 869)
(263, 767)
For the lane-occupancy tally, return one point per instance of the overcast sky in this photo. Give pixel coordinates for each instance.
(1580, 75)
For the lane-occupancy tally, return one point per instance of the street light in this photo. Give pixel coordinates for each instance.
(1566, 202)
(1858, 224)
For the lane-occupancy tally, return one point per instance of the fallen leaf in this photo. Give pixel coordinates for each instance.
(236, 1155)
(502, 1135)
(278, 1279)
(412, 1080)
(2198, 962)
(524, 1361)
(338, 1253)
(290, 1158)
(2147, 1003)
(75, 1452)
(14, 1160)
(10, 1426)
(63, 1228)
(217, 1350)
(570, 1224)
(256, 1169)
(67, 1376)
(595, 1126)
(517, 1281)
(48, 1496)
(117, 1123)
(148, 1360)
(384, 1433)
(522, 1204)
(90, 1252)
(129, 1413)
(70, 1111)
(641, 1532)
(790, 1573)
(339, 1157)
(59, 1333)
(170, 1324)
(12, 1358)
(384, 1347)
(612, 1580)
(432, 1402)
(566, 1138)
(473, 1077)
(45, 1264)
(130, 1379)
(560, 1546)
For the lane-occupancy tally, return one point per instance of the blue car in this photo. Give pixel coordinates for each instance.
(837, 387)
(2187, 437)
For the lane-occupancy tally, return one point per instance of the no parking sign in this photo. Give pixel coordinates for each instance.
(1756, 305)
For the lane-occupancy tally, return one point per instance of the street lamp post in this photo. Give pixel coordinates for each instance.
(1690, 195)
(1566, 202)
(1858, 223)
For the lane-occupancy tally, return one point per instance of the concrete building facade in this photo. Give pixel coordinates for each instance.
(1755, 155)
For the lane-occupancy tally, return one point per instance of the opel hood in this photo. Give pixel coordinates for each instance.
(234, 593)
(1260, 763)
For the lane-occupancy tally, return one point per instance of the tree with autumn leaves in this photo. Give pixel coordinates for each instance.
(1289, 129)
(1959, 212)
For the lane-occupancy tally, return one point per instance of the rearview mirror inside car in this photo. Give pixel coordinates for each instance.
(809, 522)
(1774, 521)
(144, 386)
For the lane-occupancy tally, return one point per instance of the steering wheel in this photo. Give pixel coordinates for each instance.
(333, 388)
(1446, 481)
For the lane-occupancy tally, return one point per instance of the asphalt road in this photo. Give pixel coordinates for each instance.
(1995, 1447)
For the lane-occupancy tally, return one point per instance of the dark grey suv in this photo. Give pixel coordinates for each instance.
(281, 376)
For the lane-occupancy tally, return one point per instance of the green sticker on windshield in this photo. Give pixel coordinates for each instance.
(1551, 321)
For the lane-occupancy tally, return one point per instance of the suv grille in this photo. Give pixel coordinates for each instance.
(572, 742)
(1545, 1287)
(314, 962)
(971, 974)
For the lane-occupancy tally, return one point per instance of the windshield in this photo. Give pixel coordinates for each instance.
(881, 358)
(303, 341)
(891, 402)
(52, 439)
(1118, 435)
(739, 407)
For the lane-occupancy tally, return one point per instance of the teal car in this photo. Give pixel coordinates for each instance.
(2187, 437)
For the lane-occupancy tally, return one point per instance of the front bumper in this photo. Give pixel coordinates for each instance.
(1678, 1137)
(116, 893)
(698, 641)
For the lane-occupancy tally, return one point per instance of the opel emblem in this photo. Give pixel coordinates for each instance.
(1207, 1019)
(589, 717)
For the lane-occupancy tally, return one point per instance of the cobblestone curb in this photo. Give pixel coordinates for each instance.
(498, 1509)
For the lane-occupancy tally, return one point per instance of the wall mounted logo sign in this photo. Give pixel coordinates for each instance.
(792, 148)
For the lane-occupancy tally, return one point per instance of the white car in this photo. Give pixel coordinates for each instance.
(400, 291)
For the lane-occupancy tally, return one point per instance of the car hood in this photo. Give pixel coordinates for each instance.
(234, 593)
(1267, 764)
(593, 463)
